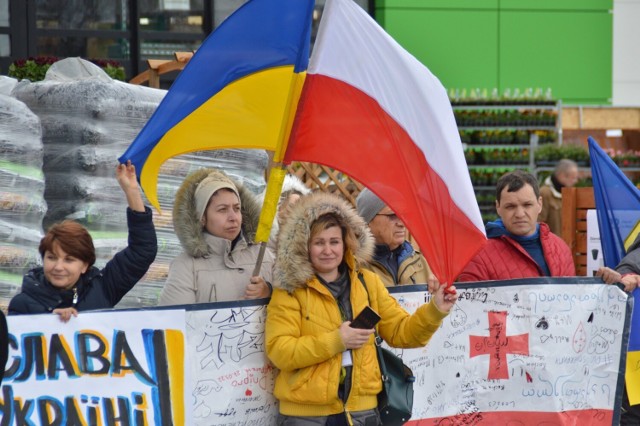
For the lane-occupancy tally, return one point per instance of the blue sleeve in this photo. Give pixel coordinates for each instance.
(129, 265)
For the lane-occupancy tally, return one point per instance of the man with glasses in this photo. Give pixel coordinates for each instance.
(395, 260)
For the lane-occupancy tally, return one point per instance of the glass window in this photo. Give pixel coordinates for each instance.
(155, 49)
(5, 45)
(82, 14)
(224, 8)
(177, 16)
(4, 13)
(85, 47)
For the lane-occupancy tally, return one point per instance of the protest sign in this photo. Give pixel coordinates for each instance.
(519, 352)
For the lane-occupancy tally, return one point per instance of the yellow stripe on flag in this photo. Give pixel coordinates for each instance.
(245, 114)
(632, 236)
(632, 377)
(270, 204)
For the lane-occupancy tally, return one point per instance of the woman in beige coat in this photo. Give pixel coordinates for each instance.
(215, 220)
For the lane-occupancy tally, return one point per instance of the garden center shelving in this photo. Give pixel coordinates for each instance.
(503, 136)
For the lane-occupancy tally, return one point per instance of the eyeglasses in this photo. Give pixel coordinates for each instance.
(391, 216)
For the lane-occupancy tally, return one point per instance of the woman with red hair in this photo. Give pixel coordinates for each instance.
(68, 282)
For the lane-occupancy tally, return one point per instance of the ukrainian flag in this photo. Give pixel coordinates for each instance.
(618, 211)
(239, 90)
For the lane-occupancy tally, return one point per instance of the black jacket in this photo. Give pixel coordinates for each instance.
(97, 289)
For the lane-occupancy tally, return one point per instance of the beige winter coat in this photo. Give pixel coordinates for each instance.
(208, 270)
(551, 213)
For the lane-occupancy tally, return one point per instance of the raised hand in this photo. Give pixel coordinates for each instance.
(126, 176)
(445, 298)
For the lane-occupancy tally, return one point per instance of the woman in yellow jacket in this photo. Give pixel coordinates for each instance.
(329, 373)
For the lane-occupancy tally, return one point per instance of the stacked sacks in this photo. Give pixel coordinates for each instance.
(88, 121)
(22, 205)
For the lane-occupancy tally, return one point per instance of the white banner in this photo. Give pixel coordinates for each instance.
(550, 348)
(109, 368)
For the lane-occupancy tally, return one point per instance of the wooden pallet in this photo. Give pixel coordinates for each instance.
(157, 67)
(575, 203)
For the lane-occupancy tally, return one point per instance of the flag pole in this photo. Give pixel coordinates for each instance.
(277, 170)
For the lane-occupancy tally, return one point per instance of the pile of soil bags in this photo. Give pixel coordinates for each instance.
(22, 204)
(88, 120)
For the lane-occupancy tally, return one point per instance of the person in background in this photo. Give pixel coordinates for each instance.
(565, 174)
(292, 190)
(68, 282)
(519, 246)
(394, 260)
(328, 371)
(627, 272)
(215, 220)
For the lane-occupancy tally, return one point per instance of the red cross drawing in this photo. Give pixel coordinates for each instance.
(497, 345)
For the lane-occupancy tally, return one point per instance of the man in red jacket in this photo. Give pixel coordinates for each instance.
(519, 246)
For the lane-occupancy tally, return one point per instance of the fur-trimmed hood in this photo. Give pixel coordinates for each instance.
(293, 267)
(187, 224)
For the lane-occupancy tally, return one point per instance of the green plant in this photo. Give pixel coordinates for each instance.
(547, 153)
(113, 68)
(553, 153)
(35, 68)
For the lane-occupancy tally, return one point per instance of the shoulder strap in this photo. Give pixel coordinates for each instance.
(378, 339)
(361, 278)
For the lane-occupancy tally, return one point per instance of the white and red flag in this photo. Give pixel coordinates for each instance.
(363, 106)
(372, 110)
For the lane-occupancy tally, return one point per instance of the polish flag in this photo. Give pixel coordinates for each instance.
(372, 110)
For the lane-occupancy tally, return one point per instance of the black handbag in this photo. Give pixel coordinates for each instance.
(395, 400)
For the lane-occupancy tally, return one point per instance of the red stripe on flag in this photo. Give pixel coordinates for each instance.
(591, 417)
(341, 127)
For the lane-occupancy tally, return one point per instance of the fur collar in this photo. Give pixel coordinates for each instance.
(554, 191)
(187, 225)
(293, 265)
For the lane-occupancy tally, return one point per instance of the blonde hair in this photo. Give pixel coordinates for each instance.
(330, 220)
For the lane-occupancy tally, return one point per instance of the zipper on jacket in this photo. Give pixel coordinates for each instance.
(75, 296)
(347, 415)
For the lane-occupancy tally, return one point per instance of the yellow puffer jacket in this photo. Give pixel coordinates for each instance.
(302, 335)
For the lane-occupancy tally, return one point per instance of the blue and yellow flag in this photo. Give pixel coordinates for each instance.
(239, 90)
(617, 204)
(618, 211)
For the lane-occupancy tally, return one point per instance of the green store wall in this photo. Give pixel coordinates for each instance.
(565, 45)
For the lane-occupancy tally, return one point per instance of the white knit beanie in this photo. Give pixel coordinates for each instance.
(208, 186)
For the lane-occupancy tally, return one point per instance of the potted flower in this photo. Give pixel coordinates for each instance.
(32, 68)
(35, 68)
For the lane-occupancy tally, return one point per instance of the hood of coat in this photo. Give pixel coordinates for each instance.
(186, 222)
(293, 267)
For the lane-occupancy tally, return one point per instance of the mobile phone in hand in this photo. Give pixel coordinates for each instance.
(366, 319)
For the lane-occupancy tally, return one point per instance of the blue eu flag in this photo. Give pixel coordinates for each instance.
(618, 211)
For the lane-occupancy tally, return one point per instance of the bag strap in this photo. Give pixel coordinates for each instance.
(375, 332)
